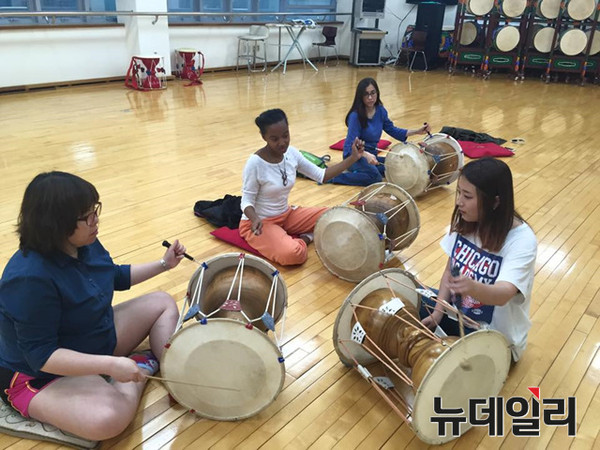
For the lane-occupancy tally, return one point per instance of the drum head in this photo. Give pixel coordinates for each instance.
(469, 33)
(542, 40)
(348, 243)
(513, 8)
(406, 166)
(403, 284)
(186, 50)
(403, 220)
(256, 285)
(580, 9)
(223, 353)
(548, 8)
(451, 158)
(595, 43)
(480, 7)
(475, 366)
(506, 38)
(573, 42)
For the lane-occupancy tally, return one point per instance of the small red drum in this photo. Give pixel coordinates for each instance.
(471, 32)
(189, 64)
(513, 8)
(356, 239)
(572, 42)
(224, 366)
(480, 7)
(595, 48)
(548, 8)
(146, 73)
(580, 9)
(506, 38)
(418, 170)
(542, 39)
(378, 332)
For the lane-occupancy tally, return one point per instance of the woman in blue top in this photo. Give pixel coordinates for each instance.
(366, 120)
(58, 330)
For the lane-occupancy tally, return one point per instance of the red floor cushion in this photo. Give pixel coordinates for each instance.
(479, 150)
(232, 236)
(339, 145)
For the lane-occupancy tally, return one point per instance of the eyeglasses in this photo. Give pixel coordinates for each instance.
(371, 94)
(90, 218)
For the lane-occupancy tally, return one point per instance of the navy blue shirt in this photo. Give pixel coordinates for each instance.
(56, 301)
(377, 124)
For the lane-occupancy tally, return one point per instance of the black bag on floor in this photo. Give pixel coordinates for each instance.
(224, 212)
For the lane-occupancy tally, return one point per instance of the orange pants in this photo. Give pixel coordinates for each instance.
(275, 242)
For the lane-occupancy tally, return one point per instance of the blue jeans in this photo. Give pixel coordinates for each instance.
(361, 173)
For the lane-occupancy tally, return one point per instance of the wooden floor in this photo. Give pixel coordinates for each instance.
(153, 154)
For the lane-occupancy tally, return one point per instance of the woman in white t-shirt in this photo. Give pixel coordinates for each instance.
(493, 250)
(270, 173)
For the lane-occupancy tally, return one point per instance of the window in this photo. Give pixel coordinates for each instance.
(270, 7)
(58, 5)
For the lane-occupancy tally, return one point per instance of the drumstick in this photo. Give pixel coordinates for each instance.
(185, 255)
(430, 135)
(192, 384)
(455, 272)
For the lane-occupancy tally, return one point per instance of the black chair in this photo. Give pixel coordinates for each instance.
(330, 33)
(419, 39)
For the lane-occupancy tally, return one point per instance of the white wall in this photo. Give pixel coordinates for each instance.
(54, 55)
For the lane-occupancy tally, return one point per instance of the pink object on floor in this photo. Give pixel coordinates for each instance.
(339, 145)
(232, 236)
(479, 150)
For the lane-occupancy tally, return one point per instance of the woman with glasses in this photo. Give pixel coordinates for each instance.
(366, 120)
(268, 221)
(60, 337)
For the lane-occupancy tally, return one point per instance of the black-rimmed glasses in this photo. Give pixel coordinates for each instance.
(90, 218)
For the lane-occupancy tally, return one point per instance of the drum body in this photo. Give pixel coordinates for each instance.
(580, 9)
(595, 48)
(256, 280)
(572, 42)
(506, 38)
(471, 33)
(480, 7)
(369, 324)
(351, 240)
(513, 8)
(418, 169)
(542, 39)
(548, 8)
(445, 159)
(241, 367)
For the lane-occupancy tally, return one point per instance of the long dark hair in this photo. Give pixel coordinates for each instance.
(495, 199)
(358, 104)
(268, 118)
(51, 206)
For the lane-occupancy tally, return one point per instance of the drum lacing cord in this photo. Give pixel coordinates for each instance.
(444, 303)
(364, 372)
(238, 271)
(273, 297)
(398, 240)
(195, 300)
(380, 354)
(441, 177)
